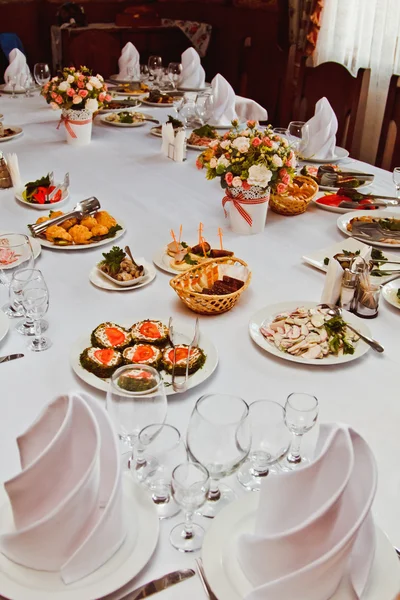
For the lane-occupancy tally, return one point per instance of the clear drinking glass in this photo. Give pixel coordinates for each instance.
(204, 107)
(28, 85)
(301, 416)
(41, 73)
(144, 73)
(155, 67)
(396, 180)
(20, 279)
(14, 81)
(136, 398)
(282, 132)
(163, 449)
(35, 300)
(187, 112)
(270, 442)
(15, 253)
(219, 438)
(295, 129)
(174, 73)
(190, 486)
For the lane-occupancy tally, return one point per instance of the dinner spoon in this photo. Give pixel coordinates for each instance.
(335, 311)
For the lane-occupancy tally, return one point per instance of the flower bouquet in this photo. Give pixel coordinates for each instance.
(79, 94)
(249, 163)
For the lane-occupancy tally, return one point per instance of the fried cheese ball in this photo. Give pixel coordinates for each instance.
(55, 213)
(99, 230)
(68, 223)
(80, 234)
(42, 220)
(89, 222)
(104, 218)
(55, 232)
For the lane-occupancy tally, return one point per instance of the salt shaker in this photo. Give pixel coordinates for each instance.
(5, 177)
(348, 290)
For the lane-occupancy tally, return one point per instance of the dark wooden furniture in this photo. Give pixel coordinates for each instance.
(343, 91)
(389, 142)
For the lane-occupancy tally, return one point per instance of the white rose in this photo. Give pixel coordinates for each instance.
(70, 79)
(64, 85)
(225, 144)
(89, 87)
(259, 175)
(237, 182)
(95, 82)
(54, 106)
(275, 145)
(213, 163)
(284, 142)
(213, 144)
(246, 132)
(100, 77)
(77, 100)
(277, 161)
(92, 105)
(242, 144)
(222, 161)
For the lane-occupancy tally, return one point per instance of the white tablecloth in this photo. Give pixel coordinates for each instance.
(127, 173)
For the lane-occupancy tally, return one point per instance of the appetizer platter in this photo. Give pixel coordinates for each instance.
(96, 356)
(304, 333)
(176, 124)
(157, 98)
(340, 154)
(4, 244)
(350, 179)
(380, 229)
(117, 105)
(10, 133)
(331, 202)
(201, 137)
(37, 194)
(119, 270)
(128, 87)
(77, 234)
(391, 293)
(124, 118)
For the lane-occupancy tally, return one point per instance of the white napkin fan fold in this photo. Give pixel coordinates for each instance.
(129, 63)
(320, 133)
(17, 69)
(224, 101)
(193, 75)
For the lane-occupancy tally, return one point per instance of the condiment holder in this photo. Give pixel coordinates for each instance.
(359, 294)
(5, 177)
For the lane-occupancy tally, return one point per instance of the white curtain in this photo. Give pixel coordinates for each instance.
(363, 34)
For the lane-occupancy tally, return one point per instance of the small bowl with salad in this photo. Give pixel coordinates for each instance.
(38, 194)
(125, 118)
(201, 137)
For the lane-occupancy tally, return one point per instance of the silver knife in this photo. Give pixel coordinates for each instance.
(157, 585)
(10, 357)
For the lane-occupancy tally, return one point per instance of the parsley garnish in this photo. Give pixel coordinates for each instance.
(113, 259)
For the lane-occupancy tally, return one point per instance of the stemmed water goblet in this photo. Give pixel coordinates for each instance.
(190, 486)
(163, 450)
(41, 73)
(144, 73)
(295, 130)
(270, 442)
(174, 73)
(28, 85)
(301, 413)
(155, 67)
(219, 438)
(204, 106)
(20, 279)
(14, 81)
(35, 300)
(135, 399)
(396, 180)
(283, 132)
(15, 253)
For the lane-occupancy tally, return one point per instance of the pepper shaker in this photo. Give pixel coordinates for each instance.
(5, 177)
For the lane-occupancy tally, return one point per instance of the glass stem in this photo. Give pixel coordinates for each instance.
(188, 528)
(294, 454)
(214, 494)
(38, 332)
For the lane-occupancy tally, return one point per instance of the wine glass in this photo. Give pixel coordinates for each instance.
(144, 73)
(14, 81)
(15, 253)
(19, 280)
(163, 449)
(155, 66)
(136, 398)
(41, 72)
(219, 438)
(204, 106)
(190, 486)
(174, 73)
(396, 180)
(35, 300)
(28, 85)
(295, 129)
(283, 132)
(300, 416)
(270, 442)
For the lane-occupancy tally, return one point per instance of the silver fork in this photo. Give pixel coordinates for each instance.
(182, 387)
(203, 579)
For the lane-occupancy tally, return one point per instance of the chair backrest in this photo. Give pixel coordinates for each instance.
(343, 91)
(388, 155)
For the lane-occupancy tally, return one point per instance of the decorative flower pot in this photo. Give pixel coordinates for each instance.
(247, 209)
(78, 126)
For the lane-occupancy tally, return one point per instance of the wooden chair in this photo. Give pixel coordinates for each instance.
(388, 155)
(343, 91)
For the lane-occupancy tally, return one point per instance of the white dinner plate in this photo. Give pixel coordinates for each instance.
(189, 89)
(385, 213)
(18, 131)
(48, 207)
(100, 280)
(112, 110)
(389, 292)
(158, 105)
(104, 119)
(21, 583)
(225, 575)
(330, 188)
(46, 244)
(36, 247)
(267, 314)
(337, 209)
(184, 336)
(154, 131)
(115, 78)
(198, 148)
(340, 154)
(162, 260)
(4, 91)
(4, 325)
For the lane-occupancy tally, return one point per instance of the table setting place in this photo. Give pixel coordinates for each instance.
(199, 394)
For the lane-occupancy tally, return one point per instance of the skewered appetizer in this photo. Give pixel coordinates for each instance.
(102, 362)
(111, 335)
(184, 257)
(181, 352)
(117, 265)
(88, 230)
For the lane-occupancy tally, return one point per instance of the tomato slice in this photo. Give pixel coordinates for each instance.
(138, 375)
(150, 330)
(115, 336)
(142, 353)
(181, 354)
(104, 356)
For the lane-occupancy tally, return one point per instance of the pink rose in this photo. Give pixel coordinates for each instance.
(282, 172)
(229, 178)
(199, 163)
(102, 96)
(267, 142)
(70, 92)
(237, 182)
(81, 84)
(72, 68)
(53, 95)
(108, 97)
(245, 185)
(83, 93)
(281, 188)
(286, 179)
(59, 99)
(256, 141)
(81, 77)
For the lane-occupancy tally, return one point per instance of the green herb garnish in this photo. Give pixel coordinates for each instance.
(32, 186)
(174, 122)
(206, 131)
(188, 260)
(336, 329)
(111, 233)
(113, 259)
(377, 255)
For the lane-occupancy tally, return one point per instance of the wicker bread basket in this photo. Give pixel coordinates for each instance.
(296, 199)
(203, 303)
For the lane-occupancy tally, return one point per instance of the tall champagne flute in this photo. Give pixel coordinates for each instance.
(41, 73)
(219, 438)
(20, 279)
(35, 300)
(15, 253)
(301, 413)
(135, 399)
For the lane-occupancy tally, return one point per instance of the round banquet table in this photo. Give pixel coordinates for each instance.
(126, 171)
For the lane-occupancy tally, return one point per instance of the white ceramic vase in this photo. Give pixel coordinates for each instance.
(78, 126)
(246, 218)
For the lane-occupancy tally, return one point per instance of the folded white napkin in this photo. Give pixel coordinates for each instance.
(13, 166)
(224, 101)
(314, 528)
(17, 68)
(129, 63)
(193, 74)
(249, 110)
(320, 133)
(333, 283)
(168, 138)
(179, 145)
(67, 501)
